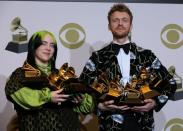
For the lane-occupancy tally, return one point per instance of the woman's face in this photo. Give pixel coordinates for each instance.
(45, 51)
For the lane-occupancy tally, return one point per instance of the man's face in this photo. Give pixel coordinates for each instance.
(120, 24)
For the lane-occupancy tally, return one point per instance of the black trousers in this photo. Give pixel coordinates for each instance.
(130, 124)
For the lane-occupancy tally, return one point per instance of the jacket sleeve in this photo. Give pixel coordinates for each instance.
(86, 106)
(29, 98)
(90, 70)
(167, 84)
(24, 96)
(89, 74)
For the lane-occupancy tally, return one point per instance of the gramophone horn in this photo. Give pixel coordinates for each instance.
(15, 23)
(171, 70)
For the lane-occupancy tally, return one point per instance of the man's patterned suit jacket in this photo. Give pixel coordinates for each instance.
(105, 60)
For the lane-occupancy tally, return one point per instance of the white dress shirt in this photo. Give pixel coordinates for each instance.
(124, 63)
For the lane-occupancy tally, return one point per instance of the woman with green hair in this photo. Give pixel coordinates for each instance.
(35, 102)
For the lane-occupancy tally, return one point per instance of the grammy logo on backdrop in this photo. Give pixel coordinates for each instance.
(19, 37)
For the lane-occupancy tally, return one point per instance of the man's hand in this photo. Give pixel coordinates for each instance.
(149, 105)
(110, 106)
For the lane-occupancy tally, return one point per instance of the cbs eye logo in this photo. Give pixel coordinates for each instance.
(72, 35)
(174, 125)
(172, 36)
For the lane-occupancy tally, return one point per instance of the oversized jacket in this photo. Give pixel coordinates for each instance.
(105, 60)
(48, 116)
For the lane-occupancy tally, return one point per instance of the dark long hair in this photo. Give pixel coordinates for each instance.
(34, 42)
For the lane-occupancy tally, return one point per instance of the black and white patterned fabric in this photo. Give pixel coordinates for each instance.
(105, 60)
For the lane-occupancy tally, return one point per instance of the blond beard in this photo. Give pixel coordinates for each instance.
(120, 36)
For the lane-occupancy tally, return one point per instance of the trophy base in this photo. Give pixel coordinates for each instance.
(17, 47)
(131, 102)
(178, 95)
(151, 94)
(122, 101)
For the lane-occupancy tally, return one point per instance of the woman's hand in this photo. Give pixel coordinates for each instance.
(77, 98)
(58, 97)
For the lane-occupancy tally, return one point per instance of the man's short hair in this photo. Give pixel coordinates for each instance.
(121, 8)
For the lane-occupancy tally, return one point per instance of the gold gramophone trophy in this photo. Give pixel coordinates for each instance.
(19, 37)
(133, 93)
(66, 79)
